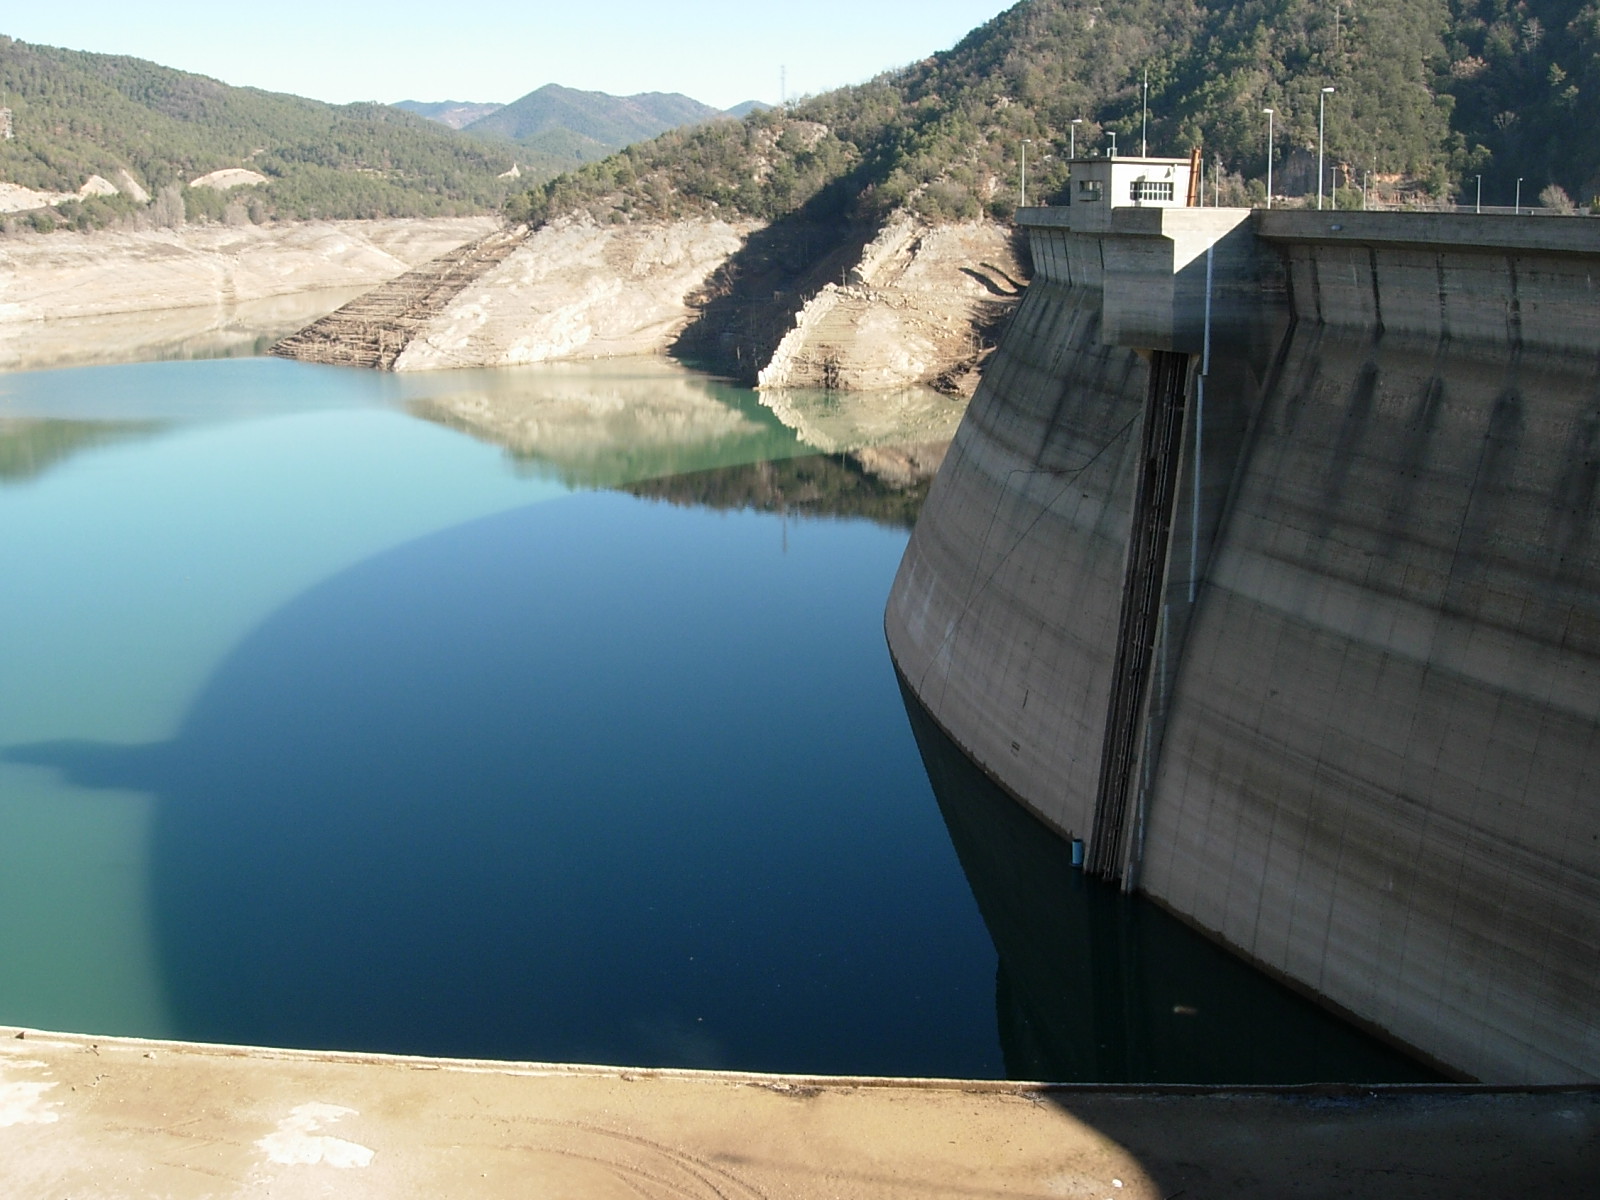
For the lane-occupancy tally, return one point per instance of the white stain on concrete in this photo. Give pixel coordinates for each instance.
(297, 1142)
(22, 1102)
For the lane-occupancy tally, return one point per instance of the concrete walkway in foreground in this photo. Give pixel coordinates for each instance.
(88, 1117)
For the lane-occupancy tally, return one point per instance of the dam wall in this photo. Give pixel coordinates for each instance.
(1331, 693)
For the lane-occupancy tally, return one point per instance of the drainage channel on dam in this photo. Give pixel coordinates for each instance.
(536, 715)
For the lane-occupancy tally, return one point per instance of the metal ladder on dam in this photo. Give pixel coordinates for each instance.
(1149, 540)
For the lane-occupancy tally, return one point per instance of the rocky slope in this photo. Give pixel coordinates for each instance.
(915, 304)
(578, 290)
(919, 307)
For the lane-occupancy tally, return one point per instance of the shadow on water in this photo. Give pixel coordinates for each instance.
(574, 782)
(1095, 986)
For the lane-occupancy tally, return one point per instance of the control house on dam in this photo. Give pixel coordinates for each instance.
(1266, 566)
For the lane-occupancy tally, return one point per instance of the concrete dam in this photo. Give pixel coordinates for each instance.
(1265, 564)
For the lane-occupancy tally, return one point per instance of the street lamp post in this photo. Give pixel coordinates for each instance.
(1519, 195)
(1479, 206)
(1026, 142)
(1268, 111)
(1144, 126)
(1322, 105)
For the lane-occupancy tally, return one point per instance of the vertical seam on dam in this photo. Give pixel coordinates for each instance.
(1143, 584)
(1377, 297)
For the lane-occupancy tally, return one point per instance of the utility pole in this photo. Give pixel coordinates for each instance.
(1268, 111)
(1322, 107)
(783, 86)
(1026, 142)
(1072, 136)
(1144, 127)
(1479, 208)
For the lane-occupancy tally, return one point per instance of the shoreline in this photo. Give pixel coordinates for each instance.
(55, 276)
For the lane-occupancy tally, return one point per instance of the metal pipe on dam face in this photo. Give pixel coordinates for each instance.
(1357, 713)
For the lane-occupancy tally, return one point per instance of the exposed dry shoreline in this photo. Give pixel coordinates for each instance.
(46, 277)
(839, 308)
(903, 305)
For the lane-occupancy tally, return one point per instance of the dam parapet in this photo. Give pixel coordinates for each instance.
(1265, 563)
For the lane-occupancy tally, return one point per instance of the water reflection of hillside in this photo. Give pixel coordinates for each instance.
(1097, 986)
(614, 423)
(207, 331)
(885, 485)
(834, 422)
(31, 446)
(605, 424)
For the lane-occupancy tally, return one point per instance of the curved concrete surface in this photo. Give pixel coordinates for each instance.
(1368, 755)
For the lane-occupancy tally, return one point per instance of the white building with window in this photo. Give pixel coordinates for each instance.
(1101, 184)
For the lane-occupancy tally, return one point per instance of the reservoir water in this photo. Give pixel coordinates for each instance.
(543, 715)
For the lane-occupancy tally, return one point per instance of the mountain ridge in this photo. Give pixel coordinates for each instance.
(76, 115)
(613, 121)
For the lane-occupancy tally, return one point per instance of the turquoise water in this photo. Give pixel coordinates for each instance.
(535, 715)
(328, 725)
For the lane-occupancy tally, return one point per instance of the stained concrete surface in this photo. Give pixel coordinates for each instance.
(84, 1117)
(1370, 754)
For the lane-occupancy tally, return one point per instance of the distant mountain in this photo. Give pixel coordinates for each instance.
(457, 114)
(604, 122)
(76, 115)
(739, 111)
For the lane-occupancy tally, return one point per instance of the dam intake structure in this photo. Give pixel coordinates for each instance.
(1265, 563)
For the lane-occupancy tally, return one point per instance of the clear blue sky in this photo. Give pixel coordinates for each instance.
(718, 51)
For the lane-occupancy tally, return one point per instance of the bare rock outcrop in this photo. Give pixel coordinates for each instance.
(918, 308)
(577, 290)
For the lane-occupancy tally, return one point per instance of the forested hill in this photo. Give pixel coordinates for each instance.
(77, 114)
(1428, 94)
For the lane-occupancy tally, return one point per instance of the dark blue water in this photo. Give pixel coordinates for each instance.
(326, 725)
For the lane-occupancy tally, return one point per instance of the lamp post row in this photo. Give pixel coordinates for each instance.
(1322, 98)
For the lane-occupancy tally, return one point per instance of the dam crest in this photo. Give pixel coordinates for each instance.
(1264, 563)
